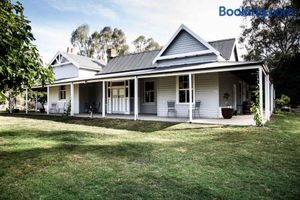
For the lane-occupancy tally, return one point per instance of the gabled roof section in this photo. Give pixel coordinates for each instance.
(196, 45)
(82, 62)
(130, 62)
(59, 59)
(225, 47)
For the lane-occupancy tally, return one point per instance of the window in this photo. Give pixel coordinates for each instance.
(183, 89)
(149, 92)
(62, 92)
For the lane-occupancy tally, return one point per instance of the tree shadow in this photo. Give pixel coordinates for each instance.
(123, 124)
(25, 163)
(64, 136)
(67, 143)
(161, 186)
(159, 181)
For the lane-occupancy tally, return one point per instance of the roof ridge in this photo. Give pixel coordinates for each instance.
(80, 56)
(101, 62)
(222, 40)
(134, 53)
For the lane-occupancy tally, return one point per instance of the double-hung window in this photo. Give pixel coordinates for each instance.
(149, 92)
(183, 89)
(62, 92)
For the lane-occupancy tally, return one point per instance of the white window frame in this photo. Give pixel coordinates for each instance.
(60, 91)
(144, 100)
(177, 89)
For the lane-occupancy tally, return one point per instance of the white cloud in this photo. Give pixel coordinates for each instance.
(51, 39)
(156, 18)
(88, 8)
(161, 18)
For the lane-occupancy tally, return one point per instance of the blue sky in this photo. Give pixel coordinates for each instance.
(53, 20)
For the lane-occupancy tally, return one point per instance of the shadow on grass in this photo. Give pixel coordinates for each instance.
(144, 170)
(66, 143)
(76, 137)
(154, 186)
(139, 125)
(72, 149)
(128, 176)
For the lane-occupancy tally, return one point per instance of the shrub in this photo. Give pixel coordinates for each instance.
(283, 101)
(68, 110)
(256, 110)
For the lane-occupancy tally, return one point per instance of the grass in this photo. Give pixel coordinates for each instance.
(73, 158)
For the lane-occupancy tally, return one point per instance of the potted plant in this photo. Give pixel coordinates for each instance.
(227, 112)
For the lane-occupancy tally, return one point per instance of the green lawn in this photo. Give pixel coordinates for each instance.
(70, 158)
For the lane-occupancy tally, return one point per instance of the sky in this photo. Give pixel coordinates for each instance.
(53, 21)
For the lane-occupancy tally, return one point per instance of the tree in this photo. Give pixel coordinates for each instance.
(271, 38)
(97, 43)
(287, 79)
(20, 63)
(41, 97)
(81, 39)
(275, 40)
(115, 39)
(142, 43)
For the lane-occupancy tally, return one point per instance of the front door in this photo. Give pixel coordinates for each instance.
(118, 100)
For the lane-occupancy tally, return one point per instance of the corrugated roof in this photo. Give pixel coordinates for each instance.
(224, 47)
(143, 60)
(85, 62)
(135, 61)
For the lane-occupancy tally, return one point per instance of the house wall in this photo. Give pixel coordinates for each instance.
(147, 108)
(54, 97)
(206, 90)
(86, 73)
(184, 43)
(65, 71)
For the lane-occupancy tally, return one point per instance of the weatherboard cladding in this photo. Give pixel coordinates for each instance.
(138, 61)
(206, 91)
(65, 72)
(184, 43)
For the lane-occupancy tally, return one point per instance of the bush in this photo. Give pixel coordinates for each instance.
(256, 111)
(68, 109)
(283, 102)
(257, 115)
(2, 101)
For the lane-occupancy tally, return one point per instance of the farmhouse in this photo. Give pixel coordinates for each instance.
(188, 78)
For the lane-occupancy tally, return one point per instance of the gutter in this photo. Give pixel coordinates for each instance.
(152, 72)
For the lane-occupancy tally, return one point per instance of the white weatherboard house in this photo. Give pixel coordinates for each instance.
(162, 83)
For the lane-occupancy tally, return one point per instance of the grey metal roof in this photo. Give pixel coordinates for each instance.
(143, 60)
(135, 61)
(85, 62)
(224, 47)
